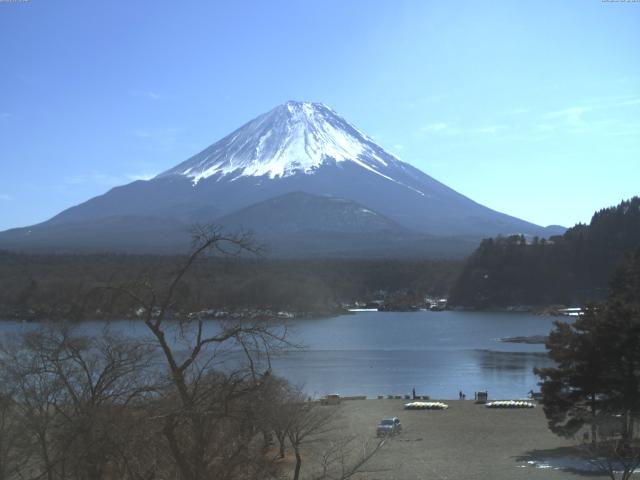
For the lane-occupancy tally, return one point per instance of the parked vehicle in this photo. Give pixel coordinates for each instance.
(389, 426)
(332, 399)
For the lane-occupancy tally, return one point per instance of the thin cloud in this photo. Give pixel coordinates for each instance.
(443, 128)
(575, 115)
(490, 129)
(143, 134)
(625, 130)
(435, 127)
(105, 179)
(572, 114)
(593, 117)
(516, 111)
(615, 101)
(571, 119)
(140, 176)
(145, 94)
(544, 127)
(625, 103)
(98, 178)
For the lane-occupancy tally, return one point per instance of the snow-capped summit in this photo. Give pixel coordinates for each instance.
(295, 137)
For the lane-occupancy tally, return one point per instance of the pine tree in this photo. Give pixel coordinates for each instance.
(597, 376)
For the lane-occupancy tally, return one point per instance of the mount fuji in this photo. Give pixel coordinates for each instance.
(303, 179)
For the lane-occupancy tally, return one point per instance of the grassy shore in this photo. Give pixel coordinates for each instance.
(466, 441)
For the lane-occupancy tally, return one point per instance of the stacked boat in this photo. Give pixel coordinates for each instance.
(510, 404)
(426, 406)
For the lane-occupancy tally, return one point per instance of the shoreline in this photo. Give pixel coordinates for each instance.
(34, 315)
(239, 313)
(553, 310)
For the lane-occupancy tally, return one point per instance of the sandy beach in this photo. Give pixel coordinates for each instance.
(466, 441)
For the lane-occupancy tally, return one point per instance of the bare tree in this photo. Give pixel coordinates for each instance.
(307, 420)
(35, 395)
(309, 428)
(312, 427)
(72, 395)
(197, 401)
(345, 457)
(274, 416)
(214, 370)
(12, 440)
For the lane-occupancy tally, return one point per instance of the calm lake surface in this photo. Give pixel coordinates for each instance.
(382, 353)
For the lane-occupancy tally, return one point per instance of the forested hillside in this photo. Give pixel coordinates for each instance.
(567, 269)
(72, 286)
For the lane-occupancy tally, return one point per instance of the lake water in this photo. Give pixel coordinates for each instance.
(383, 353)
(437, 353)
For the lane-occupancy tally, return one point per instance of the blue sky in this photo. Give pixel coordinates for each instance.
(531, 108)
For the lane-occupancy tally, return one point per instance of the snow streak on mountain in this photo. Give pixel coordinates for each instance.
(296, 137)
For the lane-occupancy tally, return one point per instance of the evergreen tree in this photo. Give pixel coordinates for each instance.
(597, 377)
(566, 269)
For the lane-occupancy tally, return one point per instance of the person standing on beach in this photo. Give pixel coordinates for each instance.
(414, 393)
